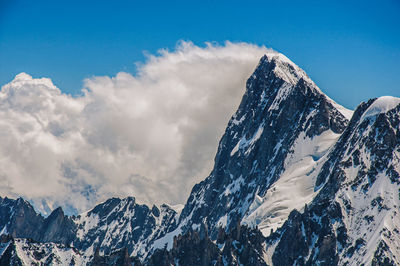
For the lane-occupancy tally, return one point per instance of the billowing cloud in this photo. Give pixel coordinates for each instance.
(152, 135)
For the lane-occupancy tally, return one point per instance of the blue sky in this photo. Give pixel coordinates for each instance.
(350, 49)
(154, 135)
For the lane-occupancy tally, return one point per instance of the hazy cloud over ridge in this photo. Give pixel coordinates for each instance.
(152, 135)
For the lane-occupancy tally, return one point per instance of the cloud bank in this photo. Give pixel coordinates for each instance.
(152, 135)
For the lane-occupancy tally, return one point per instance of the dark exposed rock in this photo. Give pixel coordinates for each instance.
(242, 246)
(19, 218)
(117, 258)
(137, 225)
(58, 228)
(8, 256)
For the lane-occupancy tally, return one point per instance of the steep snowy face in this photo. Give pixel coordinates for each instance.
(354, 218)
(370, 193)
(273, 133)
(119, 223)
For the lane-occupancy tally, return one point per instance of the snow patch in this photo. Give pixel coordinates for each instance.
(235, 149)
(248, 143)
(86, 222)
(167, 240)
(295, 187)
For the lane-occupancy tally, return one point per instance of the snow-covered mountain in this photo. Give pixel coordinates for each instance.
(297, 180)
(271, 152)
(117, 223)
(112, 225)
(354, 219)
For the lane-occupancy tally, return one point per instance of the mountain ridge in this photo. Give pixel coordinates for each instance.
(292, 173)
(271, 101)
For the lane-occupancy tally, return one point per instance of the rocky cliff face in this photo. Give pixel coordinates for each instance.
(18, 218)
(297, 180)
(241, 246)
(18, 251)
(114, 224)
(284, 122)
(354, 219)
(117, 223)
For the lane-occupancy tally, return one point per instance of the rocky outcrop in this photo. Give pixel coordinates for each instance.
(241, 246)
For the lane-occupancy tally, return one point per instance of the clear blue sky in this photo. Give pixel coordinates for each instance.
(351, 50)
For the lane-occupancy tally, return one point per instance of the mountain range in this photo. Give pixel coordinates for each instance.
(297, 180)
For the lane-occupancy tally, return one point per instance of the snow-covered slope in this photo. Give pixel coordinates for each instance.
(111, 225)
(295, 187)
(17, 251)
(354, 218)
(273, 145)
(32, 253)
(119, 223)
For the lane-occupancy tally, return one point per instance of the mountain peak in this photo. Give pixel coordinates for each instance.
(276, 66)
(58, 212)
(276, 133)
(284, 68)
(381, 105)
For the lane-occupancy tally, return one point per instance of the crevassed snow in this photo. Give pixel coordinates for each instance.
(381, 105)
(295, 187)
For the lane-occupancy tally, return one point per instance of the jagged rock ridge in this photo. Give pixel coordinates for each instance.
(355, 217)
(323, 190)
(281, 113)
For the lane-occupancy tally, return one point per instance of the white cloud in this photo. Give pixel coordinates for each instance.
(152, 135)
